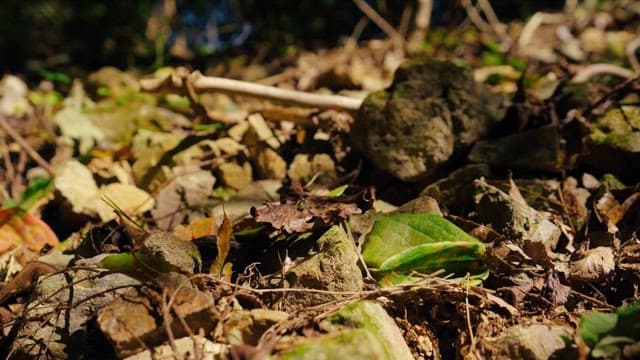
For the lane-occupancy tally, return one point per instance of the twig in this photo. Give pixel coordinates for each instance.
(237, 87)
(491, 25)
(589, 71)
(422, 22)
(468, 314)
(357, 30)
(6, 158)
(620, 88)
(534, 23)
(25, 145)
(631, 49)
(377, 19)
(475, 17)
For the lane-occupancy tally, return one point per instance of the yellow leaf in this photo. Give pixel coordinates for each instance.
(224, 244)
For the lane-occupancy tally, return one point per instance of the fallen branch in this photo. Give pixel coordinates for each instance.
(199, 82)
(589, 71)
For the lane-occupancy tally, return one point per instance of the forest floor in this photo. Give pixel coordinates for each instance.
(473, 193)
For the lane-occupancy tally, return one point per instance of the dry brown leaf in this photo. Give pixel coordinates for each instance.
(611, 211)
(594, 265)
(300, 216)
(225, 232)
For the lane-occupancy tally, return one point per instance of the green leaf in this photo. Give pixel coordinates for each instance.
(609, 346)
(136, 263)
(493, 46)
(54, 76)
(606, 334)
(38, 189)
(338, 191)
(424, 243)
(594, 326)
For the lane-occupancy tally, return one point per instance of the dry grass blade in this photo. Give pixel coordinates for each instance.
(224, 244)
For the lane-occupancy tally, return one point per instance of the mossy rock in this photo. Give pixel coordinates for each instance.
(432, 111)
(614, 142)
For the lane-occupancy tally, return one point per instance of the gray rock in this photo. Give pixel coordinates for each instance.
(537, 149)
(455, 192)
(184, 255)
(333, 267)
(532, 342)
(432, 111)
(133, 320)
(512, 218)
(614, 141)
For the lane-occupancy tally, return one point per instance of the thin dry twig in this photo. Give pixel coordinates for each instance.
(377, 19)
(200, 82)
(534, 23)
(630, 50)
(589, 71)
(422, 22)
(25, 145)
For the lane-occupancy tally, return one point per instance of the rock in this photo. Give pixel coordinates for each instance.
(333, 267)
(247, 326)
(513, 218)
(235, 175)
(324, 166)
(432, 111)
(421, 205)
(270, 165)
(304, 167)
(537, 149)
(130, 321)
(14, 99)
(614, 142)
(357, 331)
(184, 255)
(593, 40)
(530, 342)
(66, 302)
(455, 192)
(117, 82)
(184, 349)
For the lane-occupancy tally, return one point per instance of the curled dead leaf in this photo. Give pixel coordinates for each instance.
(611, 211)
(300, 216)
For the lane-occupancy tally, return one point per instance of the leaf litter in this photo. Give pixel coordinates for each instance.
(512, 225)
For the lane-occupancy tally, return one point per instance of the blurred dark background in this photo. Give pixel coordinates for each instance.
(48, 34)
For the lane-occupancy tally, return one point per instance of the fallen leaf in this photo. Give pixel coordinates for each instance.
(25, 279)
(225, 232)
(595, 264)
(421, 242)
(27, 230)
(300, 216)
(555, 291)
(611, 211)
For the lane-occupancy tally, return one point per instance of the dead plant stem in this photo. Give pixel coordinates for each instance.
(25, 145)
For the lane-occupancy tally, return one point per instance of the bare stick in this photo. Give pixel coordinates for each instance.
(236, 87)
(25, 145)
(422, 21)
(534, 22)
(592, 70)
(632, 46)
(372, 14)
(475, 17)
